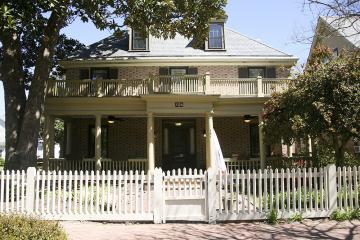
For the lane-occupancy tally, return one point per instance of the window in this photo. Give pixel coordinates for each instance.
(256, 72)
(138, 42)
(216, 36)
(99, 73)
(335, 52)
(104, 141)
(178, 71)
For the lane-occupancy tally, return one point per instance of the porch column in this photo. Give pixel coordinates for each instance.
(310, 146)
(291, 149)
(261, 142)
(98, 142)
(209, 125)
(48, 140)
(150, 141)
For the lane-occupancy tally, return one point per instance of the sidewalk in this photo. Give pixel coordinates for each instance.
(318, 229)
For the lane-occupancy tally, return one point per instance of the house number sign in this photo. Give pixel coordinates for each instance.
(179, 104)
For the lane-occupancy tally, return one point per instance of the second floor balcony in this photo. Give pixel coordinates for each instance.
(182, 84)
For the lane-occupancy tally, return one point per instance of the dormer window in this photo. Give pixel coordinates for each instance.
(139, 43)
(216, 36)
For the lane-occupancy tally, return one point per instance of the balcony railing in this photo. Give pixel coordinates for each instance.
(188, 84)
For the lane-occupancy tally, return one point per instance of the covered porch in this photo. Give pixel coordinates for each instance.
(118, 142)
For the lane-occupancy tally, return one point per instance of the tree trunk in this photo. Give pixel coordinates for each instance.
(29, 134)
(13, 83)
(339, 143)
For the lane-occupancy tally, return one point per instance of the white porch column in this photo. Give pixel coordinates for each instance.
(261, 142)
(310, 146)
(150, 141)
(209, 125)
(48, 140)
(291, 149)
(98, 141)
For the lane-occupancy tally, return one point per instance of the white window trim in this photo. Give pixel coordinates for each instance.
(223, 39)
(131, 43)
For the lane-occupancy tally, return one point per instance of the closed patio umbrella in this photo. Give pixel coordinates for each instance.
(219, 158)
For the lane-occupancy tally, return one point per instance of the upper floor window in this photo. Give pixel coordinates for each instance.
(99, 73)
(256, 72)
(216, 36)
(138, 41)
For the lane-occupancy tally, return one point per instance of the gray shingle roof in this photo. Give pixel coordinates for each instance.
(349, 28)
(236, 45)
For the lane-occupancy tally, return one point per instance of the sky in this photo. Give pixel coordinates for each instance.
(277, 23)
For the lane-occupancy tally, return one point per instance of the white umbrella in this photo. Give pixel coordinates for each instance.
(219, 158)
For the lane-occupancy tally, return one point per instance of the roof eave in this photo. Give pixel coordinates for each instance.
(166, 61)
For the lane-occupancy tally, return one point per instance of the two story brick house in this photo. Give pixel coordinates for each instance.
(157, 100)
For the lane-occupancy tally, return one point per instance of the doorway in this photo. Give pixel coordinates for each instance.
(179, 148)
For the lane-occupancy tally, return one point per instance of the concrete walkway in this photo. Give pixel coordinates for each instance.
(318, 229)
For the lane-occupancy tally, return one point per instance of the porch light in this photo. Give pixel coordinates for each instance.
(178, 124)
(204, 134)
(111, 119)
(247, 118)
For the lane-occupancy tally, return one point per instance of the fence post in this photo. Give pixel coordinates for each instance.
(158, 196)
(211, 195)
(332, 187)
(207, 83)
(30, 189)
(260, 92)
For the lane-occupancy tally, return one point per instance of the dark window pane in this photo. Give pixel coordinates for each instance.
(216, 36)
(99, 74)
(256, 72)
(138, 41)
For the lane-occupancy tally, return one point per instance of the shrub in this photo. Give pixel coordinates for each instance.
(272, 217)
(343, 215)
(297, 217)
(14, 227)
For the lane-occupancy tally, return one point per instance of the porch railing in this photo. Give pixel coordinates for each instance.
(187, 84)
(61, 164)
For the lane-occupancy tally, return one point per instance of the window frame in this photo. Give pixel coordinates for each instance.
(263, 68)
(183, 68)
(133, 32)
(222, 37)
(94, 69)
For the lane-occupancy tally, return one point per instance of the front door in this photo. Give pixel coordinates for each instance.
(178, 144)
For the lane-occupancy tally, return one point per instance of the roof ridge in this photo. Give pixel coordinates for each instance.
(252, 39)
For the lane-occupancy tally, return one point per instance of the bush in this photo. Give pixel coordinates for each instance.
(14, 227)
(297, 217)
(2, 162)
(272, 217)
(344, 215)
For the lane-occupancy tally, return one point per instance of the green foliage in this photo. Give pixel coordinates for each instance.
(297, 217)
(298, 195)
(323, 103)
(272, 217)
(2, 162)
(14, 227)
(345, 215)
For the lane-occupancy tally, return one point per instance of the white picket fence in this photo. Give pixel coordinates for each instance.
(188, 195)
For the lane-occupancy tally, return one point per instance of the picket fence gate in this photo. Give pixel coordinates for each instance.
(182, 195)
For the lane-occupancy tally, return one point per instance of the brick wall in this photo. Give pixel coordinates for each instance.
(233, 135)
(144, 72)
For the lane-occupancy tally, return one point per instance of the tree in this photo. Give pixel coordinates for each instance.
(45, 19)
(345, 13)
(323, 103)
